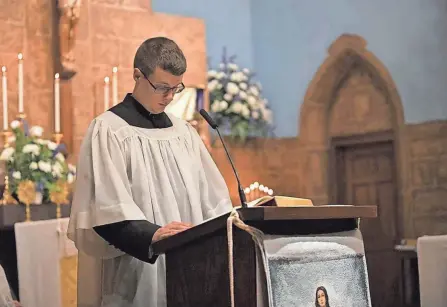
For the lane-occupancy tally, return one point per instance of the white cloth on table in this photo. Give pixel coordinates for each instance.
(40, 246)
(131, 173)
(432, 266)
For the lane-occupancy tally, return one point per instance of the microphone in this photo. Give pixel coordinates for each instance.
(214, 125)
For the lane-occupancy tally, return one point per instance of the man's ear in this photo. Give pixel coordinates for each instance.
(137, 74)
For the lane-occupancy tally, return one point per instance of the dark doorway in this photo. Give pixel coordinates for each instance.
(365, 174)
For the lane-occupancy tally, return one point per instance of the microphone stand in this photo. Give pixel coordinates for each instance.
(213, 125)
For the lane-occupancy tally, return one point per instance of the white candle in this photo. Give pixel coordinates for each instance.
(57, 104)
(5, 99)
(20, 57)
(106, 93)
(115, 85)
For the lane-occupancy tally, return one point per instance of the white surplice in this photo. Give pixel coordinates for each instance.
(131, 173)
(5, 292)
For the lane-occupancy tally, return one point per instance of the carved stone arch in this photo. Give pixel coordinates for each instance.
(348, 60)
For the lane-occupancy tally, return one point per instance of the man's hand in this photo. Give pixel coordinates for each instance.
(170, 230)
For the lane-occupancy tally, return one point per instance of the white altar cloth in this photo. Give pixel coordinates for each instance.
(42, 251)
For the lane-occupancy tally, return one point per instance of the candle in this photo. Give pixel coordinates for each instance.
(20, 57)
(106, 93)
(57, 105)
(5, 99)
(115, 85)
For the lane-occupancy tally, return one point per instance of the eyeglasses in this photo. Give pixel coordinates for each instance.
(165, 89)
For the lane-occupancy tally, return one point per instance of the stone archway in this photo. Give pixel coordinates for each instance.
(348, 61)
(351, 138)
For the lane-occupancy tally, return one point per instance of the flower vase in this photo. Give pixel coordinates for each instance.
(38, 199)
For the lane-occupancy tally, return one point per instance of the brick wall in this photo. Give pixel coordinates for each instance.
(26, 27)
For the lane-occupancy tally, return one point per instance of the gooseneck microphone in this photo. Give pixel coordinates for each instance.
(214, 125)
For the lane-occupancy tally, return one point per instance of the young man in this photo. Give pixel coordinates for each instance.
(143, 175)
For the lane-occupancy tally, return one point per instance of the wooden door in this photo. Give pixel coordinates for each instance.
(367, 177)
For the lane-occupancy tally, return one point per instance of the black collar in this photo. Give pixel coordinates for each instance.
(135, 114)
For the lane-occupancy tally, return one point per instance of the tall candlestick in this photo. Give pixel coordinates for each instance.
(20, 82)
(115, 85)
(57, 105)
(5, 99)
(106, 93)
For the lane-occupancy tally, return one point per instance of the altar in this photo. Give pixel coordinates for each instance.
(9, 216)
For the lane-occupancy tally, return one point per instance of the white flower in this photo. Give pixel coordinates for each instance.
(70, 178)
(44, 166)
(236, 107)
(233, 66)
(221, 75)
(232, 88)
(36, 131)
(212, 85)
(223, 105)
(246, 71)
(253, 90)
(57, 169)
(15, 124)
(215, 107)
(42, 142)
(212, 73)
(243, 86)
(222, 66)
(255, 115)
(33, 166)
(243, 95)
(237, 77)
(11, 139)
(228, 97)
(251, 101)
(7, 154)
(52, 145)
(219, 86)
(72, 168)
(60, 157)
(32, 149)
(267, 115)
(16, 175)
(245, 111)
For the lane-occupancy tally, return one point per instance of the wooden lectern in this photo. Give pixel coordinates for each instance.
(197, 259)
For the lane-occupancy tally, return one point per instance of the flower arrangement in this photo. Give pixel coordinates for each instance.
(236, 101)
(35, 166)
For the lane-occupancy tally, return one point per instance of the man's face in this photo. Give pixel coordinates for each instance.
(157, 90)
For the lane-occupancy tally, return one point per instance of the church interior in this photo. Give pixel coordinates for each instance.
(349, 107)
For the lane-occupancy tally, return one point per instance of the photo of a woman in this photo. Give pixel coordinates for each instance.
(321, 297)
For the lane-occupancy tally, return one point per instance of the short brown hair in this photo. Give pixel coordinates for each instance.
(160, 52)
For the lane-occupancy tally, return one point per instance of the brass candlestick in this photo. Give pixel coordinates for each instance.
(58, 211)
(57, 137)
(7, 198)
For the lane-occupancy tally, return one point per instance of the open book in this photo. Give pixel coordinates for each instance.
(280, 201)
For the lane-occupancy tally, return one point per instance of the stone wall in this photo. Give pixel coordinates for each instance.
(427, 182)
(271, 162)
(278, 164)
